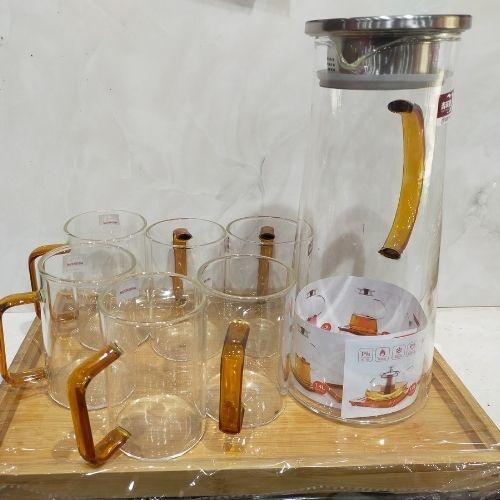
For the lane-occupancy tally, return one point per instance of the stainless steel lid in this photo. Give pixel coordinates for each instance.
(408, 23)
(387, 52)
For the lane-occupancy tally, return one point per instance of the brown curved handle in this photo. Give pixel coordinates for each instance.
(413, 178)
(21, 378)
(78, 382)
(38, 252)
(180, 237)
(231, 409)
(266, 238)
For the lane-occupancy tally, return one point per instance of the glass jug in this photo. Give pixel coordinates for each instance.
(163, 416)
(247, 378)
(70, 280)
(113, 227)
(372, 191)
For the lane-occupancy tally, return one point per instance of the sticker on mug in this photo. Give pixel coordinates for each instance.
(127, 290)
(74, 262)
(109, 219)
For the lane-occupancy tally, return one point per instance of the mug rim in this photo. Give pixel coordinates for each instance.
(144, 274)
(275, 217)
(143, 227)
(188, 246)
(64, 249)
(242, 298)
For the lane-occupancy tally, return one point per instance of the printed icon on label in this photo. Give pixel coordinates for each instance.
(365, 355)
(398, 352)
(411, 348)
(326, 326)
(382, 353)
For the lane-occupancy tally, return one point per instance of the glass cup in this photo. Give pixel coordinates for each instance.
(70, 279)
(164, 416)
(271, 236)
(247, 380)
(182, 246)
(114, 227)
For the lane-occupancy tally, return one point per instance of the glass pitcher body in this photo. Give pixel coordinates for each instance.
(372, 191)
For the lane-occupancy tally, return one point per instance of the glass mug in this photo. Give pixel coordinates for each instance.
(247, 382)
(114, 227)
(182, 246)
(164, 416)
(70, 279)
(275, 237)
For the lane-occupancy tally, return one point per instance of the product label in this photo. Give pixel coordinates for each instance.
(127, 290)
(107, 219)
(381, 375)
(357, 345)
(74, 262)
(445, 104)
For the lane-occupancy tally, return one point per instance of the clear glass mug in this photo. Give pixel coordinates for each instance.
(113, 227)
(182, 246)
(70, 279)
(164, 416)
(275, 237)
(247, 381)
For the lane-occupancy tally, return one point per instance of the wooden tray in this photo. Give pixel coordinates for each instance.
(450, 445)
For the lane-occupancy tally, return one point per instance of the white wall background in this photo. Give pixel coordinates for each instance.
(199, 108)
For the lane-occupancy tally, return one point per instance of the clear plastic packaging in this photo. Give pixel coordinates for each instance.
(450, 446)
(449, 449)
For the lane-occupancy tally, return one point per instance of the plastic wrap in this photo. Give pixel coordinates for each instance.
(450, 446)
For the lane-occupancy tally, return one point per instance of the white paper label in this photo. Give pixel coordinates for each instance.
(389, 369)
(109, 219)
(350, 335)
(74, 262)
(127, 290)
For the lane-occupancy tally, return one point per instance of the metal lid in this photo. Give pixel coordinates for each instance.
(416, 24)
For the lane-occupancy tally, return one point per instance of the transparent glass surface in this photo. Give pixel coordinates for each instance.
(230, 284)
(116, 227)
(70, 279)
(200, 241)
(165, 412)
(245, 236)
(372, 191)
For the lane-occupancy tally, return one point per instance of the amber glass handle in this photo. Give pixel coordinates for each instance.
(266, 238)
(180, 237)
(21, 378)
(78, 381)
(231, 409)
(413, 178)
(38, 252)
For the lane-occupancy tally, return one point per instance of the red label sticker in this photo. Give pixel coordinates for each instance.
(444, 105)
